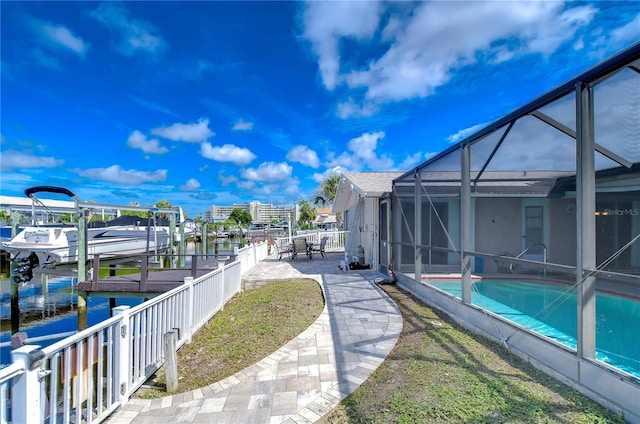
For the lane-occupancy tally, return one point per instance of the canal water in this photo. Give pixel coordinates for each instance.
(50, 308)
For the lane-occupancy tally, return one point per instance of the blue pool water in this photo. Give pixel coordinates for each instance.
(550, 309)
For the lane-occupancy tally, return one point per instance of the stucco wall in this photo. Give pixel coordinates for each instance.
(562, 232)
(498, 228)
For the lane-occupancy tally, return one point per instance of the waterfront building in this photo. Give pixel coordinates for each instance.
(263, 213)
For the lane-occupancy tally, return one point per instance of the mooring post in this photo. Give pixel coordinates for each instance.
(82, 267)
(204, 242)
(15, 297)
(181, 247)
(169, 342)
(172, 246)
(82, 249)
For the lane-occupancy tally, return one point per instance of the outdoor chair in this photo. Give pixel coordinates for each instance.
(320, 248)
(300, 247)
(284, 248)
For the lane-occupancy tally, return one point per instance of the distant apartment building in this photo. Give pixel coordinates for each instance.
(260, 212)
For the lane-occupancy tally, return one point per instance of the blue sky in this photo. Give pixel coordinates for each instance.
(204, 103)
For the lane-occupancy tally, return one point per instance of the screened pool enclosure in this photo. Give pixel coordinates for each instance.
(549, 192)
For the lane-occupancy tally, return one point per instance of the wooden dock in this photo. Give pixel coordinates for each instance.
(148, 282)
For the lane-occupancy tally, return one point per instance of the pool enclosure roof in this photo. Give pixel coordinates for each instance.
(532, 151)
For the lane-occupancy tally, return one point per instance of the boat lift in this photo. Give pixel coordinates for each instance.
(82, 213)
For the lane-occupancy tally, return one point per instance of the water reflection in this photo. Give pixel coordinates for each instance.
(48, 303)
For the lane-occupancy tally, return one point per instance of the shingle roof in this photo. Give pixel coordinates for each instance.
(355, 185)
(372, 182)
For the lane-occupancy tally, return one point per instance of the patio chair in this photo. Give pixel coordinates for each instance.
(300, 247)
(320, 248)
(284, 248)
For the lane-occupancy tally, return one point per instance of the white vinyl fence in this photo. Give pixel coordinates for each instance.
(335, 240)
(87, 376)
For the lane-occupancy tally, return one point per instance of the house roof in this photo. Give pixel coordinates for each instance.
(356, 185)
(325, 215)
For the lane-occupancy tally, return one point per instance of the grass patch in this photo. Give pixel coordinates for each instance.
(439, 373)
(252, 325)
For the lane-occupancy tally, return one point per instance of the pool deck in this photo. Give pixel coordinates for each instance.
(308, 376)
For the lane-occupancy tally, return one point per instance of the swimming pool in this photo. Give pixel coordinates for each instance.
(550, 309)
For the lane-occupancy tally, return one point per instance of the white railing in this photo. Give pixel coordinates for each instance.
(335, 241)
(251, 255)
(87, 376)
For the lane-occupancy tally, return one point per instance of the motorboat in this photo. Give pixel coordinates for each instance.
(58, 244)
(189, 229)
(52, 244)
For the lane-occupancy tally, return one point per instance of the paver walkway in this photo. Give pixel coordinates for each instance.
(308, 376)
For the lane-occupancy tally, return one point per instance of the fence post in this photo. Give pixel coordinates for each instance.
(188, 308)
(169, 341)
(194, 266)
(254, 246)
(26, 407)
(221, 265)
(121, 354)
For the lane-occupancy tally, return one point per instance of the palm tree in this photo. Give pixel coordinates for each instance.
(307, 213)
(327, 194)
(327, 191)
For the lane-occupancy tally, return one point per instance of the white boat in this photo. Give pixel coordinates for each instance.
(58, 244)
(189, 229)
(50, 245)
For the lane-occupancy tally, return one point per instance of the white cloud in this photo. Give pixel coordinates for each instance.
(247, 185)
(193, 133)
(327, 23)
(191, 185)
(351, 109)
(364, 148)
(424, 44)
(61, 36)
(345, 160)
(365, 145)
(226, 180)
(410, 161)
(137, 140)
(49, 38)
(134, 35)
(18, 160)
(242, 125)
(466, 132)
(362, 154)
(630, 31)
(320, 177)
(429, 155)
(116, 174)
(227, 153)
(268, 172)
(304, 155)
